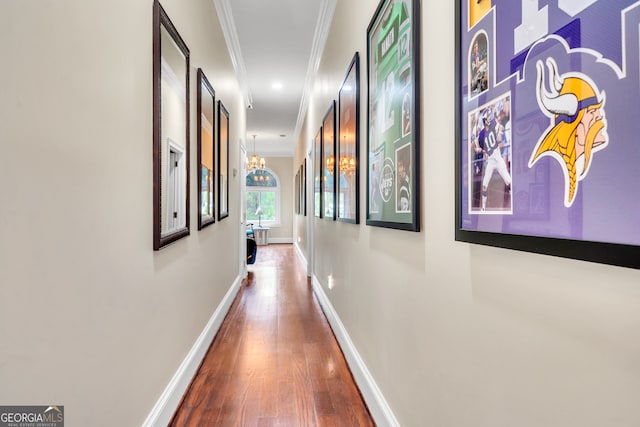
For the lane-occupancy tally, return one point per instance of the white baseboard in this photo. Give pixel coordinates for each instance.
(168, 402)
(378, 407)
(301, 256)
(276, 240)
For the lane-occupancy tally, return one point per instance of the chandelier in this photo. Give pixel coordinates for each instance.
(331, 164)
(255, 162)
(347, 164)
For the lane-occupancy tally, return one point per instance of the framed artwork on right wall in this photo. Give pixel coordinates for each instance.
(393, 111)
(348, 193)
(318, 185)
(546, 128)
(329, 162)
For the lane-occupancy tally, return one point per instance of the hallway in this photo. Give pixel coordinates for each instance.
(274, 361)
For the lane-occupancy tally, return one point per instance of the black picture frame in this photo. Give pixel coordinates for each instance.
(206, 112)
(223, 161)
(296, 193)
(318, 183)
(170, 148)
(348, 184)
(329, 162)
(393, 116)
(541, 216)
(303, 195)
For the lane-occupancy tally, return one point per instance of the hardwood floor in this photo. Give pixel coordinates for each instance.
(275, 360)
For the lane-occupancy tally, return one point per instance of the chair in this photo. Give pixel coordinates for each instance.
(252, 250)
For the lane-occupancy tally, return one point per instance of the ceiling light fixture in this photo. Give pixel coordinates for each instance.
(255, 162)
(347, 163)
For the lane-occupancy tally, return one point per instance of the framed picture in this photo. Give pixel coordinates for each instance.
(297, 193)
(303, 195)
(300, 193)
(206, 151)
(349, 144)
(329, 162)
(170, 132)
(546, 135)
(223, 161)
(318, 183)
(393, 111)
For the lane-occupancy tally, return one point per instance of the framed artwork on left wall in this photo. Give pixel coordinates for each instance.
(206, 151)
(223, 161)
(170, 131)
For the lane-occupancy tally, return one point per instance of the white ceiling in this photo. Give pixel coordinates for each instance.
(275, 41)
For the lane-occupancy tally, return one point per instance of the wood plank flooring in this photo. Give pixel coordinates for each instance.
(275, 360)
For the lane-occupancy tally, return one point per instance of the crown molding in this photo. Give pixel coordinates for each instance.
(225, 16)
(323, 25)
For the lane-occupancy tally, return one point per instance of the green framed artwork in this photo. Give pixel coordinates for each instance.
(393, 138)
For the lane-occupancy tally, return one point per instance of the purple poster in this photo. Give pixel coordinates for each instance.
(548, 133)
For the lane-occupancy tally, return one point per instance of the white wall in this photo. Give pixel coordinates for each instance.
(90, 316)
(463, 335)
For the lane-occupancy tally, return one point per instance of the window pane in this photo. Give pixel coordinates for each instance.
(253, 200)
(268, 205)
(261, 178)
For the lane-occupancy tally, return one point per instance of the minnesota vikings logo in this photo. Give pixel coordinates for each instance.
(578, 126)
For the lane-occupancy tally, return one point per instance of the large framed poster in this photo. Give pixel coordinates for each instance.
(546, 135)
(393, 114)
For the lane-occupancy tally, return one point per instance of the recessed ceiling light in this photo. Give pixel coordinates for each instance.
(277, 85)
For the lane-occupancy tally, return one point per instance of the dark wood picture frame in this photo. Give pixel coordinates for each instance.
(348, 184)
(206, 151)
(393, 116)
(223, 161)
(170, 148)
(329, 177)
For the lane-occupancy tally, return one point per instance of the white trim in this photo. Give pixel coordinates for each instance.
(242, 202)
(323, 25)
(171, 397)
(223, 7)
(169, 76)
(378, 406)
(277, 240)
(301, 256)
(205, 123)
(309, 206)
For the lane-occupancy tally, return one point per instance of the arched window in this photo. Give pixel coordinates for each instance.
(263, 191)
